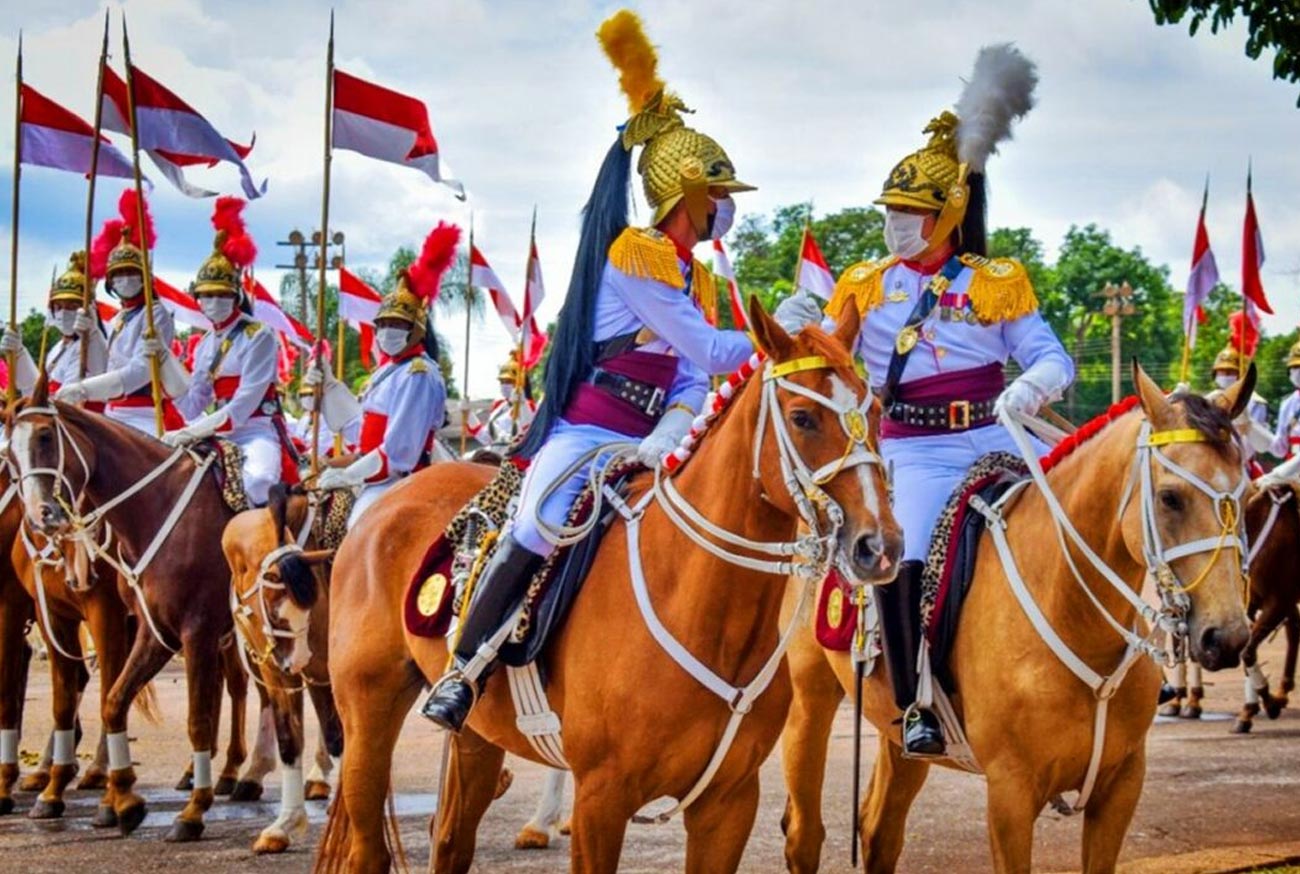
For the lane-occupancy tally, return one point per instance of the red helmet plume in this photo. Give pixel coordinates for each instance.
(1242, 334)
(237, 245)
(424, 277)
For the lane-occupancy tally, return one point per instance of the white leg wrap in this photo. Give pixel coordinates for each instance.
(8, 746)
(291, 787)
(203, 769)
(1251, 694)
(65, 747)
(119, 751)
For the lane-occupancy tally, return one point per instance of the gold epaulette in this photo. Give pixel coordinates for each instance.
(419, 365)
(864, 283)
(251, 329)
(704, 290)
(647, 254)
(1000, 290)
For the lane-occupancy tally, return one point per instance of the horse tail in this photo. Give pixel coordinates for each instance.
(336, 839)
(146, 704)
(295, 572)
(393, 836)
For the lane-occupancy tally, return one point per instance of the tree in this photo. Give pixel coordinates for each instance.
(1270, 24)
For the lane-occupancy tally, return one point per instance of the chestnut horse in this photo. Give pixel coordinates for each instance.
(16, 615)
(1004, 670)
(78, 471)
(637, 725)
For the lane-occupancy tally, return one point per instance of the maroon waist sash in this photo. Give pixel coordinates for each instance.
(956, 393)
(595, 405)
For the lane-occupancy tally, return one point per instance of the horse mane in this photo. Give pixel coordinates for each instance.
(296, 574)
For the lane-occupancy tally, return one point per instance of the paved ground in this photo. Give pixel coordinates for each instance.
(1206, 790)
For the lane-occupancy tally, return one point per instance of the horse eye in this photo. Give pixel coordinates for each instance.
(1171, 500)
(803, 420)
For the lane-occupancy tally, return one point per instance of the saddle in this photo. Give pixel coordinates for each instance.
(228, 469)
(950, 563)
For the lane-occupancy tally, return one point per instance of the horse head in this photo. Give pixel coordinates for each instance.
(1187, 526)
(52, 467)
(824, 466)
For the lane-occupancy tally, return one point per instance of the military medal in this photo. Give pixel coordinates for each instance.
(835, 608)
(431, 592)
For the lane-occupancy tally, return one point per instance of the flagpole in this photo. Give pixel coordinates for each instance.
(469, 293)
(520, 372)
(339, 353)
(1245, 316)
(324, 243)
(798, 261)
(12, 390)
(88, 288)
(150, 331)
(1185, 371)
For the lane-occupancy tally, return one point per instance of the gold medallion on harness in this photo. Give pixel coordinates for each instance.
(907, 339)
(835, 608)
(431, 592)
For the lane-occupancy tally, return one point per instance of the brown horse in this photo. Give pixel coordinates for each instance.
(79, 470)
(1004, 670)
(16, 615)
(1273, 520)
(605, 659)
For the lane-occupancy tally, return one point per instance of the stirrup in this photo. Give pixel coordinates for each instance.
(458, 676)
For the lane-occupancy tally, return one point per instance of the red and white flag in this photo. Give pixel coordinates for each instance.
(267, 310)
(1252, 258)
(813, 273)
(358, 306)
(381, 123)
(172, 133)
(534, 340)
(722, 267)
(1202, 279)
(107, 311)
(51, 136)
(481, 275)
(184, 308)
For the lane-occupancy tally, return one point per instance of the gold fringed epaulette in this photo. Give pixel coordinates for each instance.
(1000, 290)
(251, 328)
(704, 290)
(647, 254)
(863, 283)
(418, 365)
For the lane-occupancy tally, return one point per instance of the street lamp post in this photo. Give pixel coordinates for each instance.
(1119, 305)
(299, 243)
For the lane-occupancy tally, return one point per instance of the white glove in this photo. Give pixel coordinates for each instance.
(1040, 384)
(338, 405)
(104, 387)
(24, 367)
(71, 392)
(355, 474)
(1022, 397)
(200, 429)
(665, 437)
(314, 376)
(1287, 473)
(83, 325)
(173, 375)
(153, 346)
(798, 310)
(11, 341)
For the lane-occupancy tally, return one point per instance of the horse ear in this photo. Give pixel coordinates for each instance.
(41, 391)
(771, 337)
(848, 325)
(1234, 398)
(1160, 413)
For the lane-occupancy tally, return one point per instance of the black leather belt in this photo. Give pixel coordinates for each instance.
(952, 416)
(645, 396)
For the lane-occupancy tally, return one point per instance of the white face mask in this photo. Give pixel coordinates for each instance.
(307, 402)
(65, 321)
(217, 309)
(725, 216)
(903, 234)
(1294, 373)
(1223, 380)
(508, 390)
(128, 287)
(392, 341)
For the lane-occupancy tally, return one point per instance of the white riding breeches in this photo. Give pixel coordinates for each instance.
(263, 461)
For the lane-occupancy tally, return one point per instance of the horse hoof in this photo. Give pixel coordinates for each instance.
(246, 790)
(34, 782)
(6, 805)
(504, 781)
(105, 817)
(225, 786)
(183, 831)
(129, 820)
(266, 845)
(316, 790)
(1170, 709)
(1241, 726)
(93, 780)
(43, 809)
(1191, 712)
(185, 783)
(530, 838)
(567, 828)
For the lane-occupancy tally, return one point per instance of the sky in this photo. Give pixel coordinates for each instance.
(812, 100)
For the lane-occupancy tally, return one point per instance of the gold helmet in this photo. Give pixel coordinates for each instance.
(125, 256)
(1243, 340)
(232, 251)
(1228, 361)
(418, 285)
(402, 304)
(71, 285)
(1293, 356)
(932, 177)
(677, 162)
(509, 371)
(119, 246)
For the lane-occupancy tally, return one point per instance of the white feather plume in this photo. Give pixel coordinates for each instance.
(1000, 90)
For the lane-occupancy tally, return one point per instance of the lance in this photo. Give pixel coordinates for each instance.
(324, 246)
(469, 294)
(12, 390)
(521, 374)
(150, 331)
(340, 352)
(88, 288)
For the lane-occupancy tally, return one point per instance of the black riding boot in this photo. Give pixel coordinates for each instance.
(900, 621)
(500, 586)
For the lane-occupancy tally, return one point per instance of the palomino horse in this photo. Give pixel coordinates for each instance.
(749, 489)
(71, 463)
(1273, 520)
(1031, 721)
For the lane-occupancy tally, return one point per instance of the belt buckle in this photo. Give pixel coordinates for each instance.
(958, 415)
(654, 406)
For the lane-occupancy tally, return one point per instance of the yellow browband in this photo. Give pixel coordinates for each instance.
(798, 365)
(1177, 435)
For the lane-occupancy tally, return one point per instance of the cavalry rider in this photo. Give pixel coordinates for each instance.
(632, 352)
(234, 364)
(513, 411)
(404, 403)
(1252, 424)
(126, 382)
(940, 320)
(75, 324)
(1286, 442)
